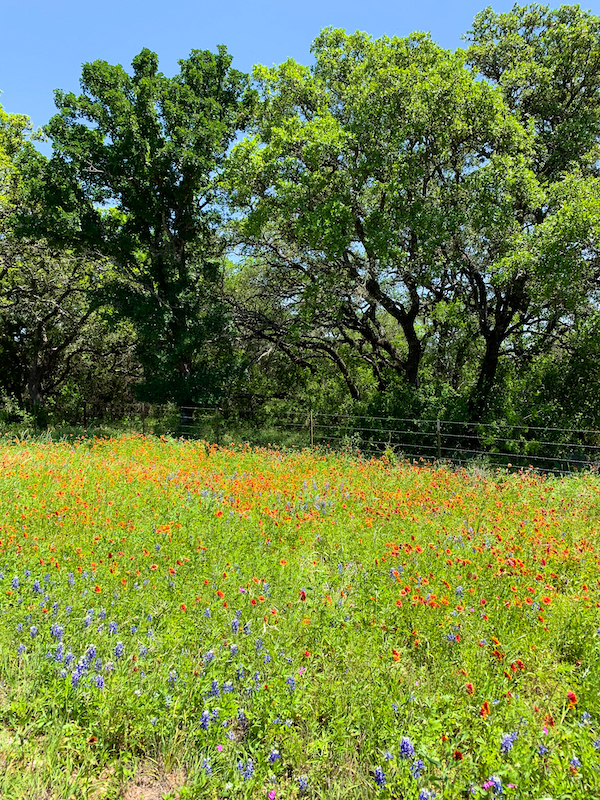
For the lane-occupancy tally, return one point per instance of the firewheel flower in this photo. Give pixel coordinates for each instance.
(572, 698)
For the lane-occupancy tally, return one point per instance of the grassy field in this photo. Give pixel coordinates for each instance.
(185, 621)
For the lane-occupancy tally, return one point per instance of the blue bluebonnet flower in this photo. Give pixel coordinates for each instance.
(247, 770)
(407, 749)
(112, 628)
(33, 631)
(98, 665)
(172, 677)
(58, 653)
(15, 583)
(247, 628)
(36, 587)
(273, 756)
(102, 613)
(507, 742)
(205, 720)
(233, 649)
(379, 777)
(543, 750)
(242, 717)
(57, 631)
(267, 658)
(575, 762)
(133, 629)
(585, 718)
(302, 783)
(388, 756)
(69, 658)
(205, 765)
(119, 648)
(597, 745)
(99, 681)
(70, 578)
(235, 626)
(168, 701)
(21, 649)
(143, 650)
(214, 688)
(291, 682)
(153, 721)
(495, 783)
(207, 613)
(90, 652)
(417, 767)
(227, 687)
(259, 645)
(209, 657)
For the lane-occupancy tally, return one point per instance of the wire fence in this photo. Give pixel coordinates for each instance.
(496, 444)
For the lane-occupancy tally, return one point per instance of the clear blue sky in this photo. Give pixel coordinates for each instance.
(44, 42)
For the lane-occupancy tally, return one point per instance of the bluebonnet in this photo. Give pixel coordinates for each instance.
(247, 770)
(379, 777)
(259, 645)
(585, 718)
(57, 631)
(507, 742)
(143, 650)
(36, 588)
(98, 665)
(247, 629)
(214, 688)
(291, 682)
(205, 765)
(99, 681)
(112, 628)
(205, 719)
(58, 653)
(233, 649)
(15, 583)
(302, 783)
(209, 657)
(273, 756)
(227, 687)
(172, 677)
(426, 794)
(21, 649)
(575, 762)
(235, 626)
(20, 627)
(207, 612)
(543, 750)
(496, 784)
(69, 658)
(597, 745)
(70, 578)
(407, 749)
(417, 767)
(102, 613)
(119, 649)
(388, 756)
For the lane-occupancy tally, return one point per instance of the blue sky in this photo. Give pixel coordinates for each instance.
(44, 42)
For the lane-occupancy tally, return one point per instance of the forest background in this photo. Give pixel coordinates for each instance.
(398, 228)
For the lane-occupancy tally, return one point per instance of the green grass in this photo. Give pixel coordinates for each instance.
(238, 622)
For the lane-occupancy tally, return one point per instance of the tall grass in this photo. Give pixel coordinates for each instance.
(256, 623)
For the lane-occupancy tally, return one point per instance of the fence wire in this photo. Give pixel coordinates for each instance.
(496, 444)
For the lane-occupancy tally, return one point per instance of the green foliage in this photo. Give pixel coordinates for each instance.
(135, 164)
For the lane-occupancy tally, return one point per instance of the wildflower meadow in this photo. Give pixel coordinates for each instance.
(242, 622)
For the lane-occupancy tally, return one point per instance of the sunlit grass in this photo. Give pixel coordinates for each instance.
(270, 624)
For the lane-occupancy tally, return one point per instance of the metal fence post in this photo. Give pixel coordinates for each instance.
(439, 440)
(217, 426)
(85, 413)
(144, 419)
(312, 429)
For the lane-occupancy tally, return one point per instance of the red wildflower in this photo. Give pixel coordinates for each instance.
(97, 589)
(469, 688)
(484, 711)
(457, 755)
(220, 593)
(572, 698)
(183, 607)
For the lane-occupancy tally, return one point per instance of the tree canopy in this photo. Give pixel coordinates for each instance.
(412, 228)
